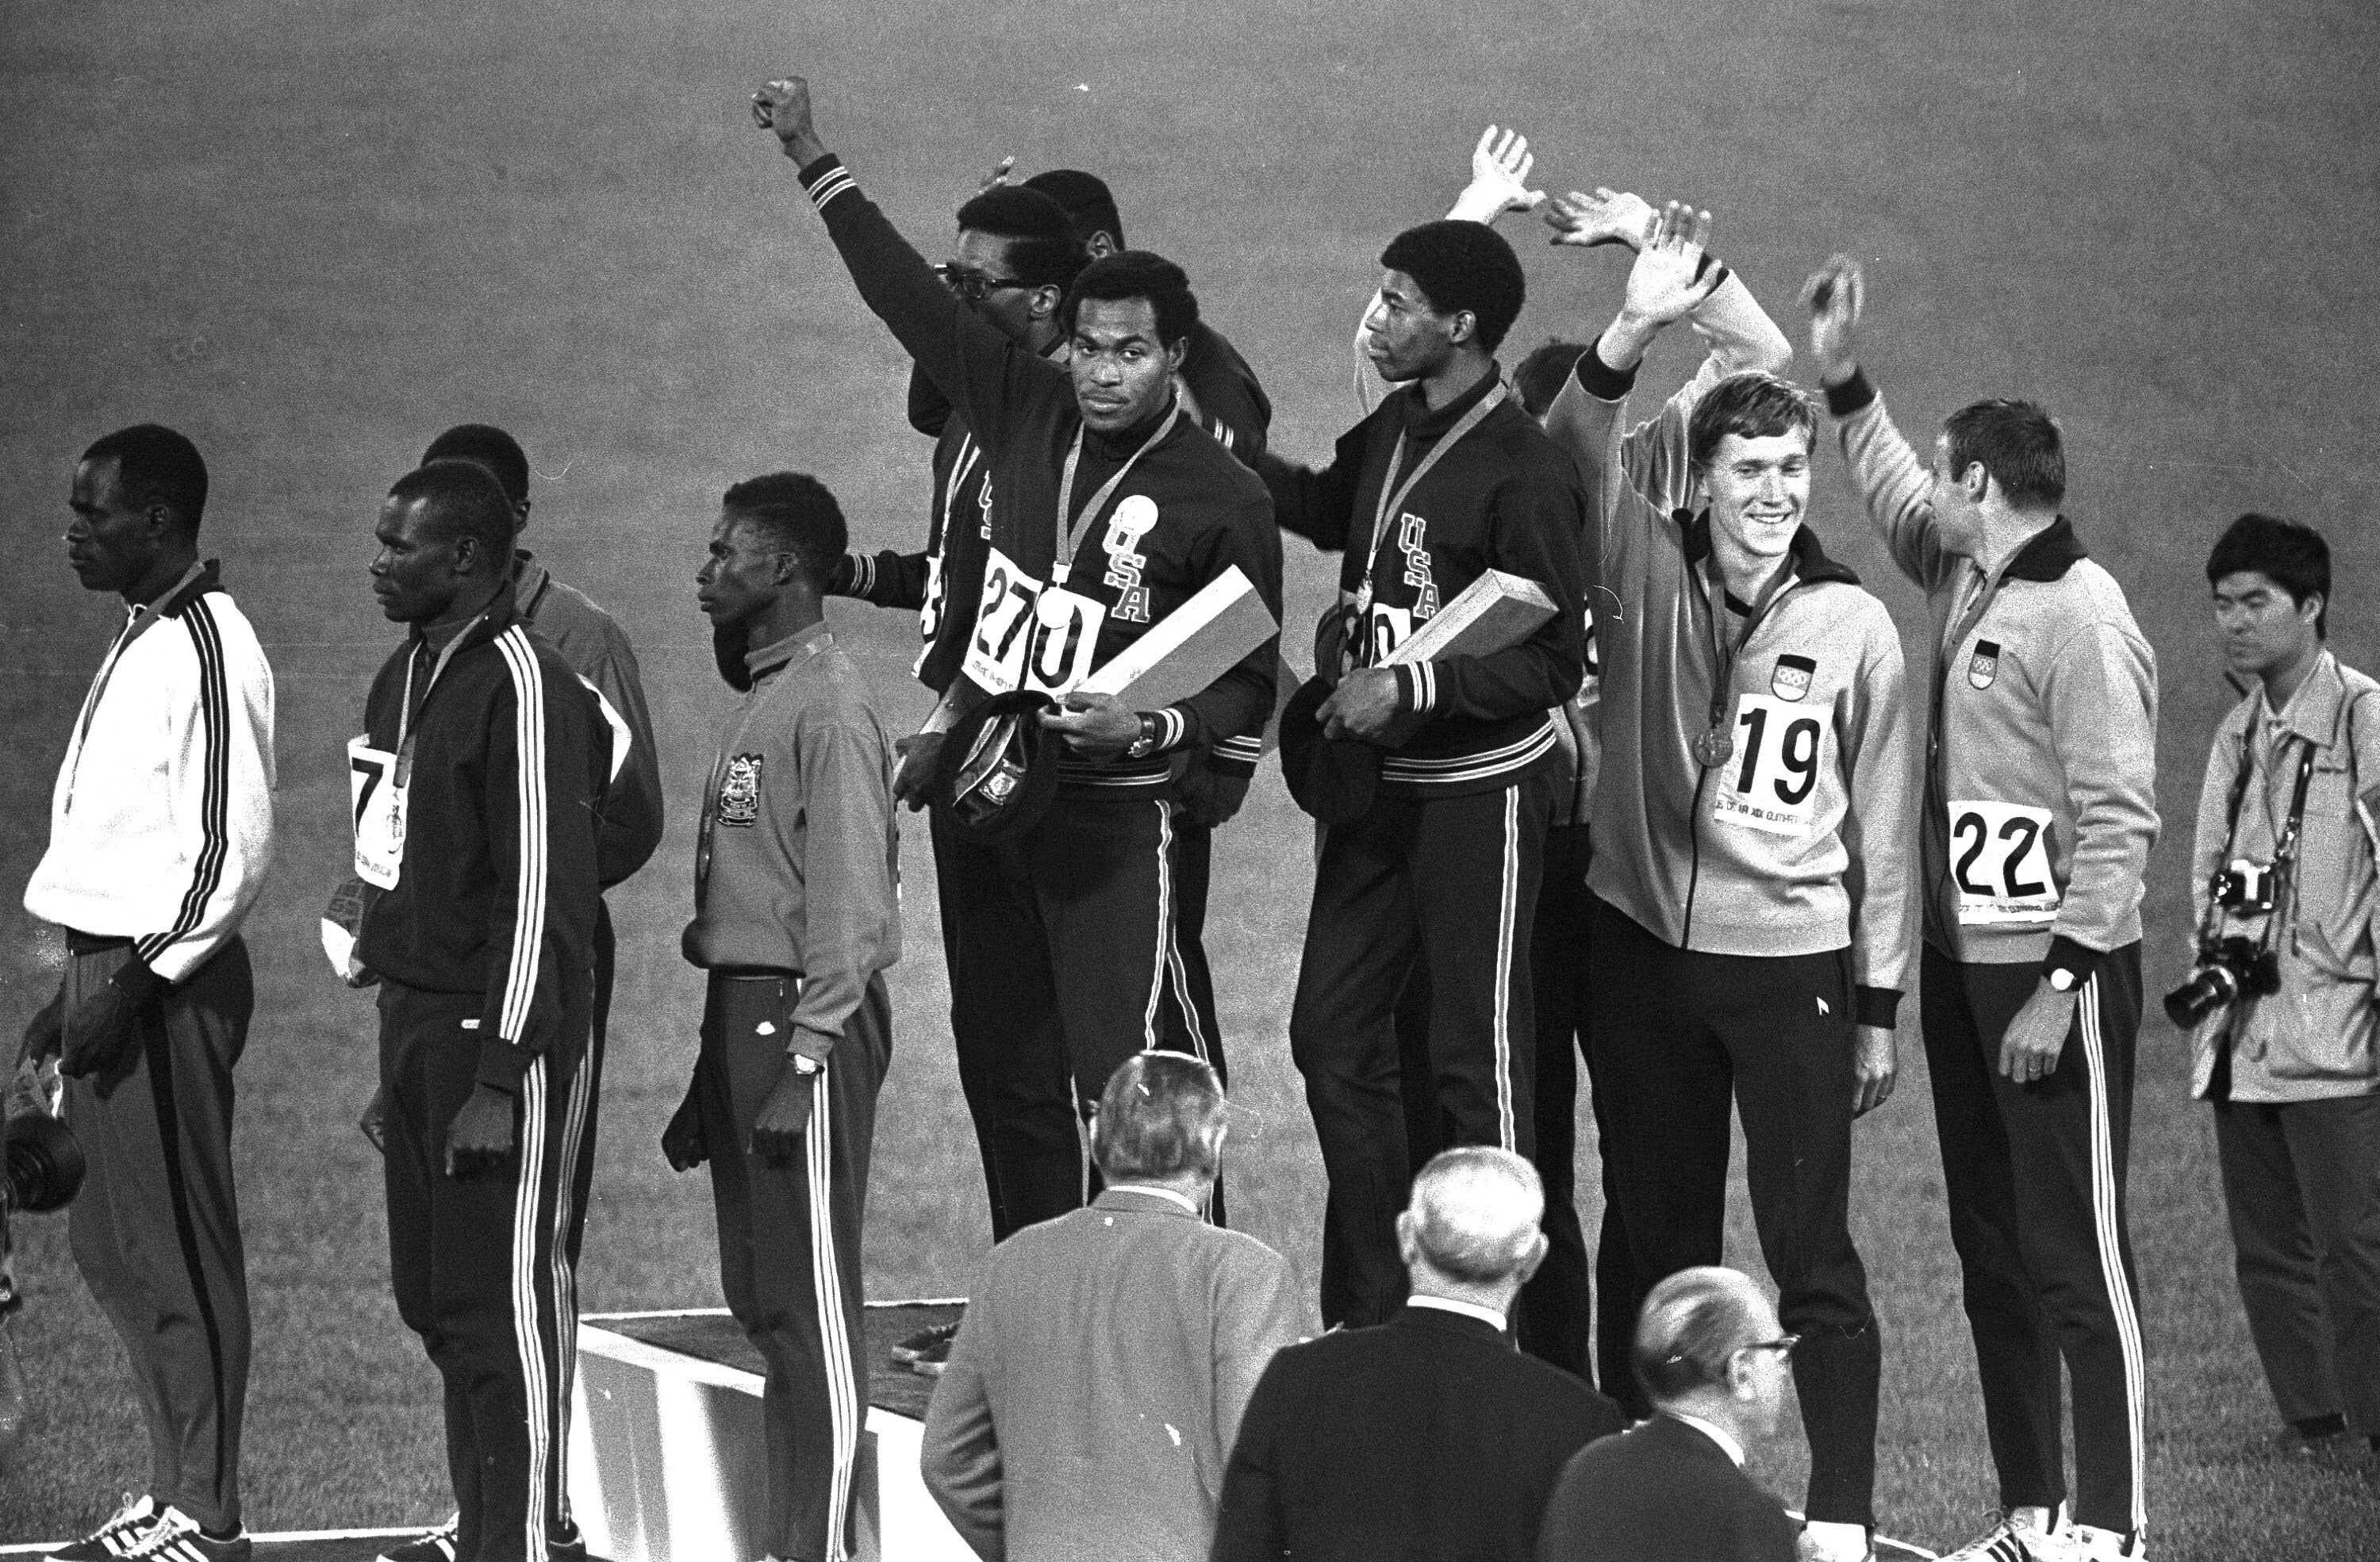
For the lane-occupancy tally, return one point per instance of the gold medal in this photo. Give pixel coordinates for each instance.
(1715, 747)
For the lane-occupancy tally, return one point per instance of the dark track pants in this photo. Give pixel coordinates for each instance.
(1064, 961)
(482, 1268)
(1677, 1033)
(1452, 882)
(789, 1244)
(155, 1232)
(2035, 1176)
(1552, 1316)
(582, 1159)
(2301, 1181)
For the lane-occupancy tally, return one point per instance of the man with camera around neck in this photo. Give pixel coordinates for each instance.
(2284, 887)
(2040, 807)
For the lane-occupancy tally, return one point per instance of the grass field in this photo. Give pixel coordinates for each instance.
(312, 236)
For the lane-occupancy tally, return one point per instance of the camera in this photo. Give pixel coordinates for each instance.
(2227, 970)
(43, 1165)
(2245, 887)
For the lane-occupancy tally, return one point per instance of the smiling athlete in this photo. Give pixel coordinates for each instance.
(1752, 866)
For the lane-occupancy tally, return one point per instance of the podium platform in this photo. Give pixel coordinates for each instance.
(667, 1463)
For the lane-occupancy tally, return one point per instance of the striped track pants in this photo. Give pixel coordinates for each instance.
(2034, 1175)
(1450, 883)
(789, 1258)
(480, 1267)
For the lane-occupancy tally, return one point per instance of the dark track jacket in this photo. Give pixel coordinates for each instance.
(1507, 497)
(497, 889)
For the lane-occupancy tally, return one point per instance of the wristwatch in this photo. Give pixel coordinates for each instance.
(804, 1063)
(1145, 745)
(2063, 978)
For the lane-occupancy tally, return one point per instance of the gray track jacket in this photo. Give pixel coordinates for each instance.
(2041, 769)
(1799, 843)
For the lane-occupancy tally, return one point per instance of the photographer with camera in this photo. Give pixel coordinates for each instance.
(2281, 997)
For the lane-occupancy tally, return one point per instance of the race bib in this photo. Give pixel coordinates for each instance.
(1003, 625)
(2000, 861)
(1383, 629)
(1065, 635)
(379, 801)
(1771, 781)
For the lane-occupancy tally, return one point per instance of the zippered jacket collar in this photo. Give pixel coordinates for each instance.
(1811, 563)
(2053, 550)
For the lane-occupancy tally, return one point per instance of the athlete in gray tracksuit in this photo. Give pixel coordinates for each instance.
(2040, 810)
(796, 919)
(1750, 862)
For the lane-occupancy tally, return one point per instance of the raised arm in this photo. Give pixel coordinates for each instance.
(1665, 285)
(987, 377)
(1738, 332)
(1895, 484)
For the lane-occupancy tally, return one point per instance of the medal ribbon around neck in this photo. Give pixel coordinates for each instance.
(1717, 746)
(1392, 502)
(1064, 564)
(405, 734)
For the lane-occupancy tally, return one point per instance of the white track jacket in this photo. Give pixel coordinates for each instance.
(161, 825)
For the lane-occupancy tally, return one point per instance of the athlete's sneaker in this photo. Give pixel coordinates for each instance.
(2018, 1535)
(108, 1541)
(928, 1352)
(434, 1545)
(172, 1535)
(1820, 1542)
(2086, 1543)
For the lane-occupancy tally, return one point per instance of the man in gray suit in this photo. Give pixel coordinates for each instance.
(1099, 1378)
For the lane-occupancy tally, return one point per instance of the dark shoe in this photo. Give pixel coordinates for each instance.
(113, 1538)
(928, 1352)
(436, 1546)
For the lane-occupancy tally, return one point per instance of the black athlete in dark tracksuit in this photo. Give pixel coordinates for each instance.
(485, 947)
(1444, 866)
(943, 586)
(1071, 942)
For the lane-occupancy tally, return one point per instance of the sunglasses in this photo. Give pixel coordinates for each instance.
(974, 286)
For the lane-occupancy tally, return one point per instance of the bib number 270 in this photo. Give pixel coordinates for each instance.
(1028, 635)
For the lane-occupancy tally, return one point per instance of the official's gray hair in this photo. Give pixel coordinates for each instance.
(1693, 1324)
(1160, 1117)
(1476, 1211)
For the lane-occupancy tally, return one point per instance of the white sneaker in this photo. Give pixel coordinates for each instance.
(2018, 1535)
(2090, 1545)
(110, 1539)
(174, 1536)
(1821, 1542)
(434, 1545)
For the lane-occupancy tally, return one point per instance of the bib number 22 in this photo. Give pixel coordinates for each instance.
(1999, 862)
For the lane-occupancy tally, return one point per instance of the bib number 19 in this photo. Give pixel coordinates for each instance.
(1772, 782)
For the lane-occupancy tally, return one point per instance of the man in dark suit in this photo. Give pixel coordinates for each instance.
(1713, 1363)
(1104, 1362)
(1431, 1434)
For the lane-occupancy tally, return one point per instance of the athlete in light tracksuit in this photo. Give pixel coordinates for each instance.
(2040, 809)
(1753, 927)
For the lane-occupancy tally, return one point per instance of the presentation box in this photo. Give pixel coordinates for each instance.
(1190, 648)
(1494, 613)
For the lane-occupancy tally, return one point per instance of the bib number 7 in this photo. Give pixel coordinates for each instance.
(379, 803)
(1999, 863)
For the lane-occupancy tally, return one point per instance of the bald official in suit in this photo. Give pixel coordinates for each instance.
(1713, 1360)
(1431, 1434)
(1105, 1358)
